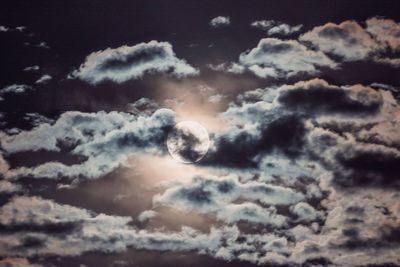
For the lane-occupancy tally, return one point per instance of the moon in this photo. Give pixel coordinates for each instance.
(188, 142)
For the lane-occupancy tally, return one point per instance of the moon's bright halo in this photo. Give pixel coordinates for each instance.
(188, 142)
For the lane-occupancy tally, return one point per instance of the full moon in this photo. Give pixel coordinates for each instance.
(188, 142)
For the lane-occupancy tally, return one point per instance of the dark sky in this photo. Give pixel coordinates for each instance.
(300, 100)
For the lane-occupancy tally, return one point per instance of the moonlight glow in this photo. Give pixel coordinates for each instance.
(188, 142)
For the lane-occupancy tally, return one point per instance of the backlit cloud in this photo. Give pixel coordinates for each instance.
(106, 139)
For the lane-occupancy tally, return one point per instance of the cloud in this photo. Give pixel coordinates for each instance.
(244, 147)
(64, 230)
(231, 67)
(43, 45)
(132, 62)
(274, 58)
(385, 132)
(276, 27)
(370, 165)
(391, 88)
(37, 211)
(3, 28)
(220, 21)
(386, 31)
(217, 194)
(294, 156)
(14, 89)
(143, 106)
(283, 194)
(3, 165)
(31, 225)
(17, 262)
(307, 172)
(276, 123)
(263, 24)
(352, 42)
(347, 40)
(352, 163)
(305, 212)
(216, 98)
(359, 152)
(284, 29)
(252, 213)
(8, 188)
(32, 68)
(361, 223)
(44, 79)
(146, 215)
(36, 119)
(105, 139)
(20, 28)
(317, 96)
(394, 62)
(343, 128)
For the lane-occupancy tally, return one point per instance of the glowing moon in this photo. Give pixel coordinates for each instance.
(188, 142)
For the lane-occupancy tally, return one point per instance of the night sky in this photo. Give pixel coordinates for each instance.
(287, 151)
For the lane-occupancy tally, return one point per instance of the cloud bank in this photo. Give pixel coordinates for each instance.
(105, 139)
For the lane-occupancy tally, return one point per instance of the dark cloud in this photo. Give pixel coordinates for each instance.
(389, 236)
(318, 97)
(239, 150)
(51, 228)
(354, 164)
(374, 167)
(317, 262)
(355, 210)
